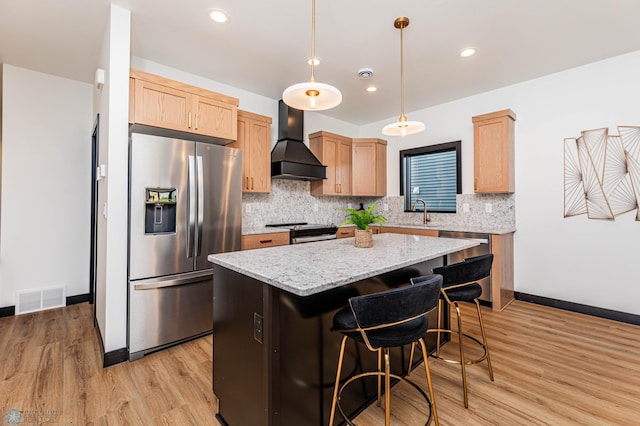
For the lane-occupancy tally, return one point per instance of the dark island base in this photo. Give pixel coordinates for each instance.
(275, 357)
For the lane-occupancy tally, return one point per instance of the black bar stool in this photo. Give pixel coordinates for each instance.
(384, 320)
(460, 285)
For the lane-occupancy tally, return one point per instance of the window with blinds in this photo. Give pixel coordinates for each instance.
(431, 173)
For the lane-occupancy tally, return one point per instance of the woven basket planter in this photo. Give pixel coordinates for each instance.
(364, 239)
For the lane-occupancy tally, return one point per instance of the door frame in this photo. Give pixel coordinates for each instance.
(93, 250)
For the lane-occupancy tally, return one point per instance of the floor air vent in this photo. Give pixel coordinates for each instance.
(40, 299)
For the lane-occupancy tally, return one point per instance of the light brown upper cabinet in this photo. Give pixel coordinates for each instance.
(254, 139)
(369, 167)
(167, 104)
(493, 145)
(334, 151)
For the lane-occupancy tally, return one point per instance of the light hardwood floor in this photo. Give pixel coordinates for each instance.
(551, 367)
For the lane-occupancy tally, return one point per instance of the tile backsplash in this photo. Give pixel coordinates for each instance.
(291, 201)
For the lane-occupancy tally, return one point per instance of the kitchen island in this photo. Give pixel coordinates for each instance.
(274, 356)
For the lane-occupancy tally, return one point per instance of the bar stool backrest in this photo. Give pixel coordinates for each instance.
(470, 270)
(396, 306)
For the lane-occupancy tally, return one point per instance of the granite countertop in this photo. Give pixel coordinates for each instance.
(306, 269)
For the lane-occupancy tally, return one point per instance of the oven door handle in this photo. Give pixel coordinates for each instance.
(311, 238)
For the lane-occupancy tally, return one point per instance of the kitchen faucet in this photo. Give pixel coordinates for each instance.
(426, 217)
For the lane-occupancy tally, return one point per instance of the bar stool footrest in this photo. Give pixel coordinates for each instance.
(457, 361)
(382, 374)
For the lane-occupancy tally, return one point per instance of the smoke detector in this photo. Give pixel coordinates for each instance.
(365, 73)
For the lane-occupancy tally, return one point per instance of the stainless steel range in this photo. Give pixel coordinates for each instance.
(303, 232)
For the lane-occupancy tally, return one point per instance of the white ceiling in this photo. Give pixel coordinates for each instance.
(264, 47)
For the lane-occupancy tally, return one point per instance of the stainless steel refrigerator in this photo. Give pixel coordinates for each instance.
(185, 202)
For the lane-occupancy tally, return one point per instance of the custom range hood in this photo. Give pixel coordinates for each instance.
(290, 158)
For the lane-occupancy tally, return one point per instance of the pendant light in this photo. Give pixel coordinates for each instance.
(312, 95)
(403, 126)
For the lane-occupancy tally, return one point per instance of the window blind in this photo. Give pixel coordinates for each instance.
(432, 177)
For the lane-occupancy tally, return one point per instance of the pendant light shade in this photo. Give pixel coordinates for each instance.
(312, 95)
(403, 126)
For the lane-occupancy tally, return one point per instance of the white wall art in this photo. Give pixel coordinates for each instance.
(602, 173)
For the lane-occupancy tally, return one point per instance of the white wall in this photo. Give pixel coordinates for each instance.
(46, 183)
(574, 259)
(112, 103)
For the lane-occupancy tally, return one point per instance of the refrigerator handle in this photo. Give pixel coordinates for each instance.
(191, 207)
(200, 204)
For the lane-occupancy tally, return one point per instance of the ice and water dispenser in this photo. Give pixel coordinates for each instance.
(160, 211)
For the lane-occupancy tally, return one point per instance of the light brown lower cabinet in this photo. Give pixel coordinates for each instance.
(410, 231)
(350, 231)
(502, 291)
(347, 232)
(265, 240)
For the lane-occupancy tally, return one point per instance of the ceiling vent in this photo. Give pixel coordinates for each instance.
(365, 73)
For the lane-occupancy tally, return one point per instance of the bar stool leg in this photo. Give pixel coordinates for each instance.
(484, 339)
(413, 347)
(379, 377)
(439, 328)
(462, 362)
(337, 385)
(387, 388)
(425, 356)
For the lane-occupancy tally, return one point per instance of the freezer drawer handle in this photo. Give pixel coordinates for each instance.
(170, 283)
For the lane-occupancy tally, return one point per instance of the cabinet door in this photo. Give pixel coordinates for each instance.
(369, 167)
(161, 106)
(410, 231)
(325, 148)
(346, 232)
(343, 168)
(240, 143)
(250, 242)
(334, 151)
(254, 139)
(259, 144)
(493, 154)
(214, 118)
(364, 168)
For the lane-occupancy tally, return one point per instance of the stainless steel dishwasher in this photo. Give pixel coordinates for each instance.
(483, 248)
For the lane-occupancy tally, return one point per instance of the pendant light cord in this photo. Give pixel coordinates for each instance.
(313, 39)
(402, 116)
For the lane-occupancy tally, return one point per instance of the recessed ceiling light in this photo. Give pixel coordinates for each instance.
(316, 61)
(469, 51)
(372, 89)
(219, 15)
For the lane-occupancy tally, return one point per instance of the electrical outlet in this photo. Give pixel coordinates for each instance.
(315, 207)
(465, 207)
(247, 208)
(257, 326)
(385, 207)
(488, 208)
(349, 205)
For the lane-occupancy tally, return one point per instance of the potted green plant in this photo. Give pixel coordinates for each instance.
(362, 219)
